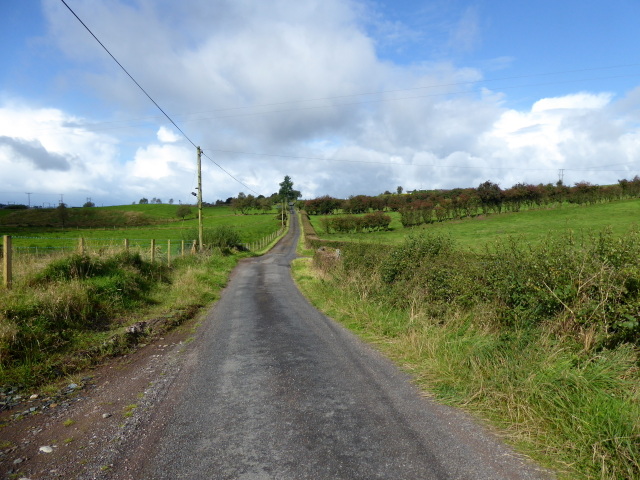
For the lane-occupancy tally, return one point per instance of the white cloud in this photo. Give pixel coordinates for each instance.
(576, 102)
(293, 79)
(466, 35)
(167, 136)
(78, 163)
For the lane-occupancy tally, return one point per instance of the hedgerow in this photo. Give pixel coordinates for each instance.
(591, 283)
(370, 222)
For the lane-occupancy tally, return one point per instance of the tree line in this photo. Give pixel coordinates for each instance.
(420, 207)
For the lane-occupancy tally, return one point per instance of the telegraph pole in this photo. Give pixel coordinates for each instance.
(29, 197)
(199, 199)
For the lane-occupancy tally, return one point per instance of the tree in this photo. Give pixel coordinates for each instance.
(89, 204)
(63, 213)
(183, 211)
(244, 203)
(491, 196)
(143, 201)
(171, 201)
(399, 190)
(265, 204)
(287, 193)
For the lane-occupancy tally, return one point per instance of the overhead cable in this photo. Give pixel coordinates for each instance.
(145, 92)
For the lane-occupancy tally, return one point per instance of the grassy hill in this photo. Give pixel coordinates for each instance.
(532, 225)
(539, 336)
(107, 225)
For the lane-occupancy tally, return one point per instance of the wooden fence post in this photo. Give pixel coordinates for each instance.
(153, 250)
(81, 245)
(169, 253)
(126, 244)
(6, 261)
(182, 248)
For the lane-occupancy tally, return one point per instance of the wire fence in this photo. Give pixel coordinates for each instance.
(164, 250)
(46, 245)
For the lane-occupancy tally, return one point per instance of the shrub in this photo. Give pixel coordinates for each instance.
(405, 258)
(410, 217)
(222, 237)
(71, 295)
(376, 221)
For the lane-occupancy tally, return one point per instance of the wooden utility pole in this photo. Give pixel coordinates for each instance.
(199, 199)
(6, 259)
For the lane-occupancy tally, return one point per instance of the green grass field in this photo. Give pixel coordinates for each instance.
(532, 225)
(538, 337)
(163, 225)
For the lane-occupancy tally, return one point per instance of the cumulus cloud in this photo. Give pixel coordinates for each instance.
(279, 88)
(34, 152)
(167, 136)
(94, 166)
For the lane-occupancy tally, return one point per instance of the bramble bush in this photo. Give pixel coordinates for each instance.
(574, 285)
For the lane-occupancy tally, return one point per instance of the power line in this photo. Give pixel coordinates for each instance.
(212, 113)
(145, 92)
(344, 160)
(128, 74)
(220, 167)
(440, 85)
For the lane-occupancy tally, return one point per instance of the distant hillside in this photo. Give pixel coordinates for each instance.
(79, 217)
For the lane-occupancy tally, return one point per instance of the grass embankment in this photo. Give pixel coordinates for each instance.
(533, 225)
(539, 339)
(68, 312)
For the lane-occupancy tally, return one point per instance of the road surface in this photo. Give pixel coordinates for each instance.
(273, 389)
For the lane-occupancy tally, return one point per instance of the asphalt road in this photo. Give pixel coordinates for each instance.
(273, 389)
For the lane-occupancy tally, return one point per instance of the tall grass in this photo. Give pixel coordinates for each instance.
(71, 311)
(540, 339)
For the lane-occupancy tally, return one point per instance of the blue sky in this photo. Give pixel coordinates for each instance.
(346, 97)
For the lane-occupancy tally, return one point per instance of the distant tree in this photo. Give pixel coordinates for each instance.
(143, 201)
(399, 190)
(158, 201)
(63, 213)
(183, 211)
(287, 193)
(243, 203)
(171, 201)
(264, 204)
(89, 204)
(491, 196)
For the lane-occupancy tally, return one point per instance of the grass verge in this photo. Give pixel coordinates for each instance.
(78, 309)
(550, 388)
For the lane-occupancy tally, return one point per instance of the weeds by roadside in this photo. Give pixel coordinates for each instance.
(543, 340)
(75, 310)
